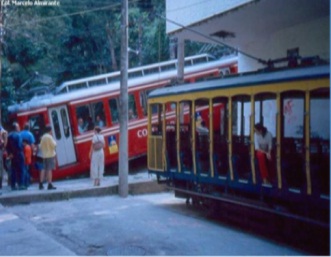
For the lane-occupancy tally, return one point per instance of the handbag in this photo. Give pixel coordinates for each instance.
(97, 145)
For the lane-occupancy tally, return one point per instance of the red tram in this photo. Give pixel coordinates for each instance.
(95, 101)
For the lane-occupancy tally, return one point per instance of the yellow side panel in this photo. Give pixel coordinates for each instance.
(155, 155)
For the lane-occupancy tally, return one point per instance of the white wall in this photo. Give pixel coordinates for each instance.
(187, 12)
(312, 38)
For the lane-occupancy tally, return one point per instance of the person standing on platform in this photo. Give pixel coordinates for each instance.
(27, 149)
(3, 144)
(15, 153)
(29, 138)
(47, 147)
(97, 156)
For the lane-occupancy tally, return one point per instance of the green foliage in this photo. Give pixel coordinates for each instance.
(77, 39)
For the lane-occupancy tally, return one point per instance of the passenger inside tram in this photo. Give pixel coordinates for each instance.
(99, 122)
(263, 147)
(81, 126)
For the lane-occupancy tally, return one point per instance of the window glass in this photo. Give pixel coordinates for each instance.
(132, 108)
(265, 112)
(293, 111)
(113, 105)
(241, 111)
(83, 116)
(56, 124)
(320, 129)
(37, 125)
(65, 123)
(98, 114)
(143, 102)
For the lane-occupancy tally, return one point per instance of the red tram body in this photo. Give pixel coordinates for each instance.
(97, 99)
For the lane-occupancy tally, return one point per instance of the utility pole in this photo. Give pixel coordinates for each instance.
(1, 38)
(123, 164)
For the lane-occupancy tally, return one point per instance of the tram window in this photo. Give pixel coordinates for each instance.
(318, 113)
(157, 126)
(293, 114)
(143, 101)
(83, 115)
(241, 111)
(320, 142)
(292, 147)
(56, 124)
(36, 123)
(265, 112)
(65, 124)
(113, 105)
(132, 108)
(98, 114)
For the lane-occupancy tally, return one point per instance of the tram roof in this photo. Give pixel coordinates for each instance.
(245, 79)
(113, 87)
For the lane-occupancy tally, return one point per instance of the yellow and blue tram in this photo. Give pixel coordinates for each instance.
(293, 104)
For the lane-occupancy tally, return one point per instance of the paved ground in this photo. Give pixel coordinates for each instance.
(148, 224)
(139, 183)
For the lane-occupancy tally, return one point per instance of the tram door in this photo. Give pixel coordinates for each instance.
(62, 133)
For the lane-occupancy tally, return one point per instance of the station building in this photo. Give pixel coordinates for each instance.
(262, 29)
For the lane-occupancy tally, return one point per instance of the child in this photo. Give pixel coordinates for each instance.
(27, 161)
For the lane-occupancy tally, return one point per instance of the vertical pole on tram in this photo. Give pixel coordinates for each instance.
(123, 164)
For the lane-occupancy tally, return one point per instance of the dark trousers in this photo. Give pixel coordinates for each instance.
(17, 171)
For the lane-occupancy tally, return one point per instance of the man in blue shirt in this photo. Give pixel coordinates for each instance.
(27, 135)
(15, 153)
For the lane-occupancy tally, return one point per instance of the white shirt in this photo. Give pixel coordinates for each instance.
(263, 143)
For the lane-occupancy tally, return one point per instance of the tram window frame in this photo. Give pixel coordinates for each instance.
(83, 114)
(37, 126)
(98, 110)
(132, 110)
(243, 130)
(299, 97)
(262, 117)
(113, 104)
(224, 115)
(156, 127)
(65, 123)
(143, 95)
(315, 96)
(56, 124)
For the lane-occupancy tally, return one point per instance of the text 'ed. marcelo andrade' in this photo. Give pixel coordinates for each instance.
(30, 3)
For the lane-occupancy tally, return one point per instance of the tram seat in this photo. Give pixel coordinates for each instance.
(171, 149)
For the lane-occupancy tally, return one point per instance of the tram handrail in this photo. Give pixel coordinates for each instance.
(142, 71)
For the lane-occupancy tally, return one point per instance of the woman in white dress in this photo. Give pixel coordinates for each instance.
(97, 156)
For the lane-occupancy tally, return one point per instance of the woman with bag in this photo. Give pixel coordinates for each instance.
(97, 156)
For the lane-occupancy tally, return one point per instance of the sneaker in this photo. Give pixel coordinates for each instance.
(50, 187)
(41, 186)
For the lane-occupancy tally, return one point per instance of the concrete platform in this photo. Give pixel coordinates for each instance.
(140, 183)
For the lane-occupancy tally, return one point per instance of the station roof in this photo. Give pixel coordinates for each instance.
(247, 21)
